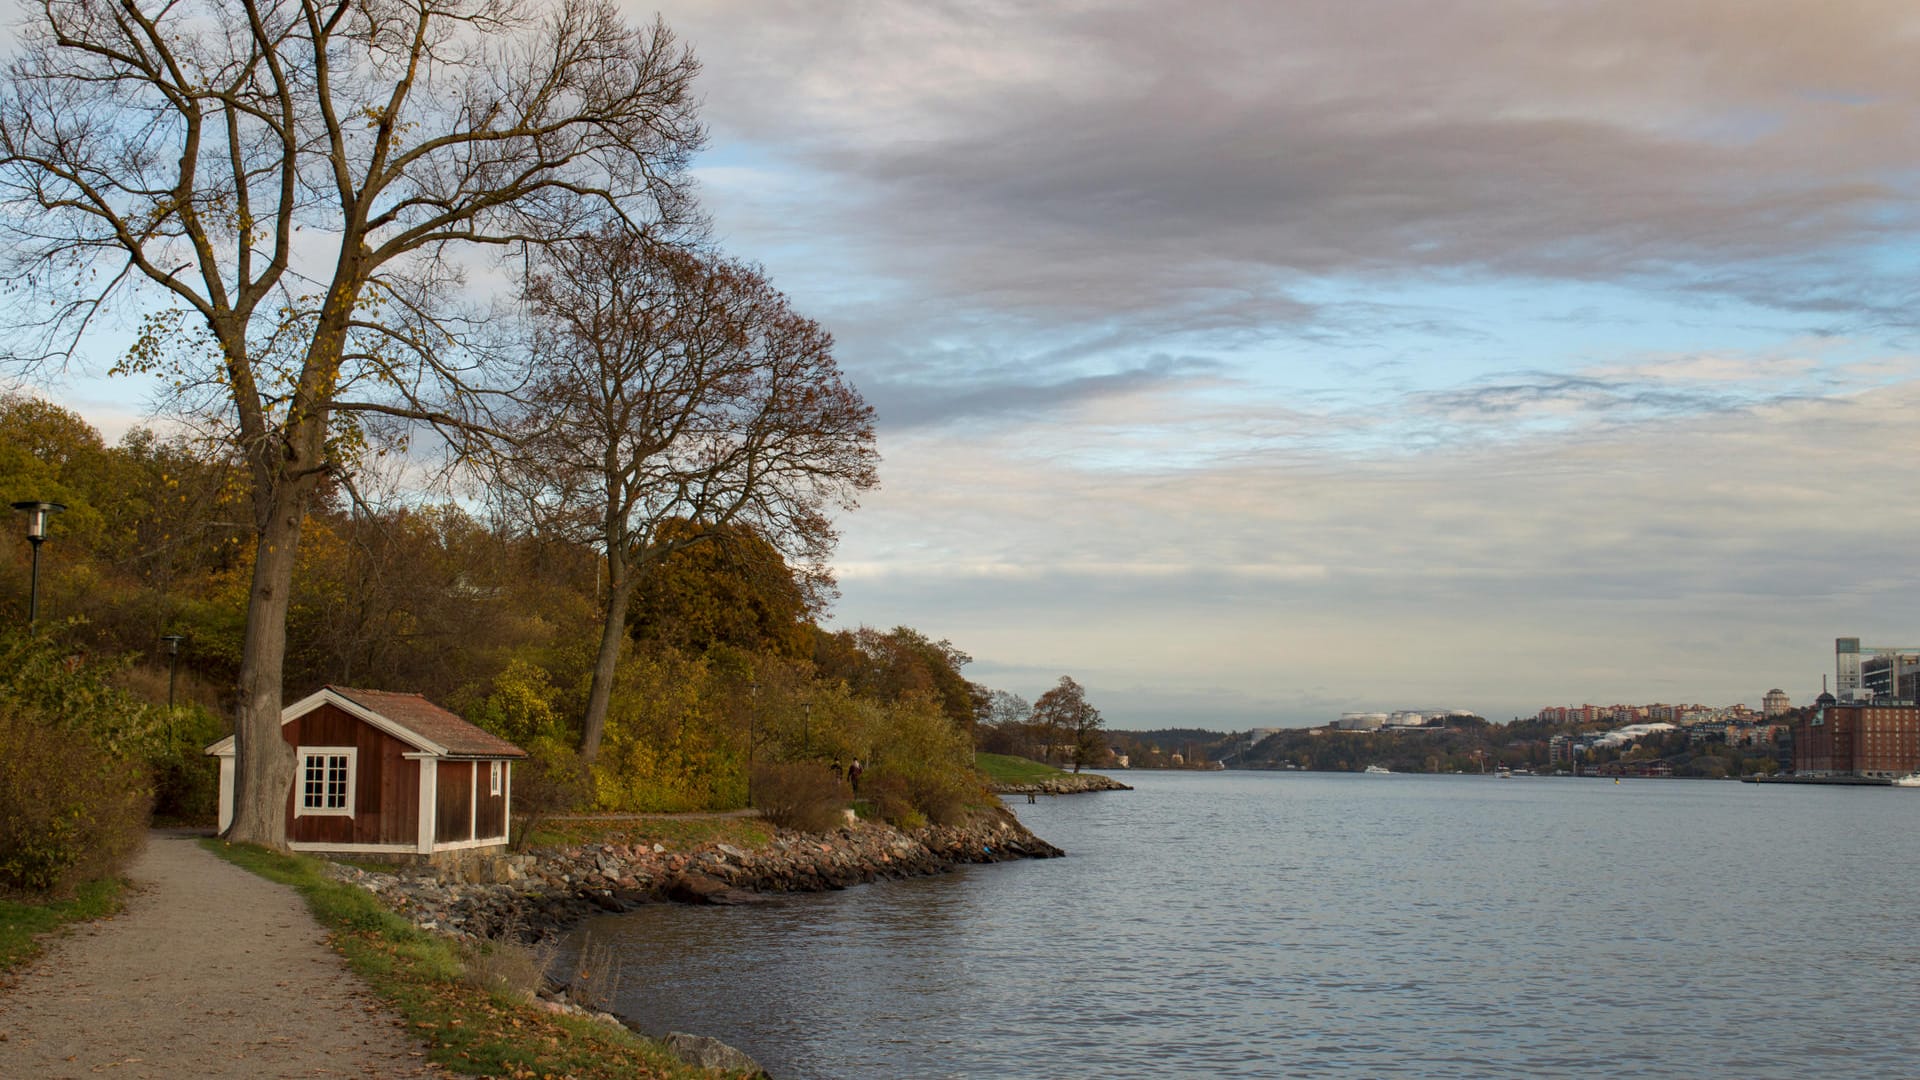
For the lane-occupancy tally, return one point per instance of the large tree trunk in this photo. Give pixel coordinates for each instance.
(613, 634)
(264, 761)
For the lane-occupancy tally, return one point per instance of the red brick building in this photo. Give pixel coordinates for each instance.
(1874, 739)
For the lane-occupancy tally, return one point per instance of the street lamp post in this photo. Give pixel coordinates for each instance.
(37, 513)
(753, 713)
(173, 673)
(806, 731)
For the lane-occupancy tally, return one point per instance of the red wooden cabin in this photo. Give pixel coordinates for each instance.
(380, 772)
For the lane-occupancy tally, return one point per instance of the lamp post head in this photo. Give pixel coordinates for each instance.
(173, 643)
(37, 513)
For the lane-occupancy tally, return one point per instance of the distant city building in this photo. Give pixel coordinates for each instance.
(1889, 675)
(1870, 672)
(1401, 720)
(1560, 750)
(1840, 738)
(1776, 703)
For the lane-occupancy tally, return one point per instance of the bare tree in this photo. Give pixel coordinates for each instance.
(679, 386)
(295, 182)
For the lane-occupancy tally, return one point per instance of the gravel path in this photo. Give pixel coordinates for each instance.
(208, 972)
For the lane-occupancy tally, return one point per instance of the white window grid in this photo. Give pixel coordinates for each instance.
(325, 782)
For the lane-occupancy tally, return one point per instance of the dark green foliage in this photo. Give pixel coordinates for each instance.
(186, 782)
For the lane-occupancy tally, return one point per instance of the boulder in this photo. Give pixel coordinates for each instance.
(705, 1052)
(698, 888)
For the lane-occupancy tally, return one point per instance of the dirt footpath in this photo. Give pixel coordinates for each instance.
(209, 972)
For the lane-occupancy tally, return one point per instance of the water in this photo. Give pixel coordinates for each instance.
(1302, 924)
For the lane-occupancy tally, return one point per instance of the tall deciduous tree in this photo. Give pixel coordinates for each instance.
(296, 181)
(680, 388)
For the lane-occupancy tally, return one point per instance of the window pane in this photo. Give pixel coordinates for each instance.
(337, 782)
(313, 781)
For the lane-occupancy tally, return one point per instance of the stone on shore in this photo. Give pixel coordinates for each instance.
(705, 1052)
(1070, 784)
(547, 891)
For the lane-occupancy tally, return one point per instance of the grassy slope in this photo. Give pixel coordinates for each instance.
(1006, 769)
(423, 977)
(22, 922)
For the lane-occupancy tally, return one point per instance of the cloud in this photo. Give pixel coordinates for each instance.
(910, 402)
(1092, 161)
(1667, 560)
(1280, 360)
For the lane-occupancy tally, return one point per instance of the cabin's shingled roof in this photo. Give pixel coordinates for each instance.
(432, 722)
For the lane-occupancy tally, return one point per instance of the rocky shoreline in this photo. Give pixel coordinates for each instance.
(535, 895)
(1070, 784)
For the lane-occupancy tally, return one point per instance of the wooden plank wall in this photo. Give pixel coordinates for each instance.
(456, 791)
(386, 796)
(491, 815)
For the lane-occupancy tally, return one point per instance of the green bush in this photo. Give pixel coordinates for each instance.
(186, 782)
(801, 795)
(76, 784)
(69, 812)
(928, 765)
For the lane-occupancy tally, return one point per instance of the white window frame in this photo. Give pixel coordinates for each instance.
(301, 808)
(494, 777)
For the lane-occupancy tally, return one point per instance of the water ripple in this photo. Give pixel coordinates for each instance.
(1299, 925)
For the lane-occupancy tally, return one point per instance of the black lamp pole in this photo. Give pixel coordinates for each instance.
(753, 713)
(173, 670)
(37, 513)
(173, 664)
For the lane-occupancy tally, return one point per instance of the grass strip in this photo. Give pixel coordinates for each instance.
(24, 923)
(1007, 769)
(423, 977)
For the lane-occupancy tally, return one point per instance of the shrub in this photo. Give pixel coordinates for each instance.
(801, 795)
(550, 781)
(75, 754)
(69, 813)
(928, 766)
(506, 968)
(886, 792)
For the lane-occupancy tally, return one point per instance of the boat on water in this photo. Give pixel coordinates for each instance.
(1503, 773)
(1377, 769)
(1909, 780)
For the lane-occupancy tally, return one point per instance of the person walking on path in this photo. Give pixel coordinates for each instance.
(209, 971)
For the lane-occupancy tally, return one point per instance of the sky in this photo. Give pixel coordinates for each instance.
(1255, 362)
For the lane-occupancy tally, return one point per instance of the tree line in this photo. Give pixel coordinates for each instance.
(723, 662)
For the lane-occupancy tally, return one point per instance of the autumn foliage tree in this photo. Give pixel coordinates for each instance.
(732, 592)
(285, 191)
(1063, 713)
(680, 397)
